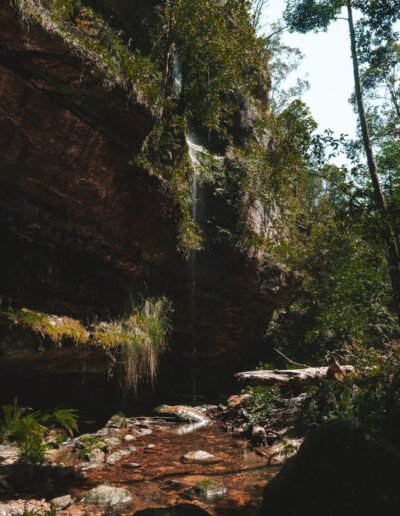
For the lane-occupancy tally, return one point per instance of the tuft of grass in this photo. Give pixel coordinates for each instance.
(136, 342)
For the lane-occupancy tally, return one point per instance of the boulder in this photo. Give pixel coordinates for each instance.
(209, 490)
(340, 469)
(108, 495)
(61, 502)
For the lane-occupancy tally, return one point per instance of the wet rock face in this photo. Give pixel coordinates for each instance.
(340, 469)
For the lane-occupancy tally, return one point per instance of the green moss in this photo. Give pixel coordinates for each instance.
(48, 326)
(133, 343)
(88, 444)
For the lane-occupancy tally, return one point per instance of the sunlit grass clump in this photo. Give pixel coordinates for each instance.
(137, 341)
(133, 343)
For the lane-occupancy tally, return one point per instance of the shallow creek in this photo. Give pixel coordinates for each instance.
(161, 477)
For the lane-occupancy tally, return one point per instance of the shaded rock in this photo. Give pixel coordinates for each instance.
(108, 495)
(183, 413)
(131, 465)
(341, 468)
(103, 432)
(237, 400)
(173, 485)
(200, 456)
(23, 507)
(86, 466)
(185, 509)
(8, 454)
(113, 441)
(209, 490)
(118, 421)
(95, 456)
(115, 457)
(91, 442)
(258, 436)
(61, 502)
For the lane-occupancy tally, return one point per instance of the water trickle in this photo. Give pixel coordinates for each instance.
(177, 76)
(195, 188)
(195, 151)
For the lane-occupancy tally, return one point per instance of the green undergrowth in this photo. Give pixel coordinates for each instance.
(370, 395)
(89, 35)
(27, 429)
(263, 400)
(133, 343)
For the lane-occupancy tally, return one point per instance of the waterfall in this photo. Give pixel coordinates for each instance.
(195, 150)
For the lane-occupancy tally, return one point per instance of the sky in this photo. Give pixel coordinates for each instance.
(328, 68)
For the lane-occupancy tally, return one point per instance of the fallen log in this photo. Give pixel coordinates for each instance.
(290, 377)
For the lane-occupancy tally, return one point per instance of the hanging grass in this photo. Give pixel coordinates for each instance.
(133, 343)
(136, 342)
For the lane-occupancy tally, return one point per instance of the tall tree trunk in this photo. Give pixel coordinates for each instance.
(392, 252)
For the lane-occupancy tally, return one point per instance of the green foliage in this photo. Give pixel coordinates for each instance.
(306, 15)
(263, 400)
(27, 429)
(40, 512)
(46, 326)
(217, 47)
(89, 35)
(66, 419)
(370, 395)
(136, 342)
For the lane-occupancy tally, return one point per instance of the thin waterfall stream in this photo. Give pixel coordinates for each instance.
(195, 151)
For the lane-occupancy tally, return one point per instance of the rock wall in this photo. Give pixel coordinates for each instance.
(82, 228)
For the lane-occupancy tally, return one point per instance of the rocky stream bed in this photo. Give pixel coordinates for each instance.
(133, 464)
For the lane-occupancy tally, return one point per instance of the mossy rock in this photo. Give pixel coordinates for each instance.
(89, 444)
(105, 494)
(209, 489)
(118, 421)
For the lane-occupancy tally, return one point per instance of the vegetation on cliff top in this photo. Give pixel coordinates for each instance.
(90, 35)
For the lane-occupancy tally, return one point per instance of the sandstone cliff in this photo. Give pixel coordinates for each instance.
(83, 228)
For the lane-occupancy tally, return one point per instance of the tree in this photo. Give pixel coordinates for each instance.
(218, 51)
(379, 16)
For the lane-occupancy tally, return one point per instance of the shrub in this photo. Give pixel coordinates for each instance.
(27, 429)
(263, 401)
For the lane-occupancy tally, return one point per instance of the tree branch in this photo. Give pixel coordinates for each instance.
(291, 361)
